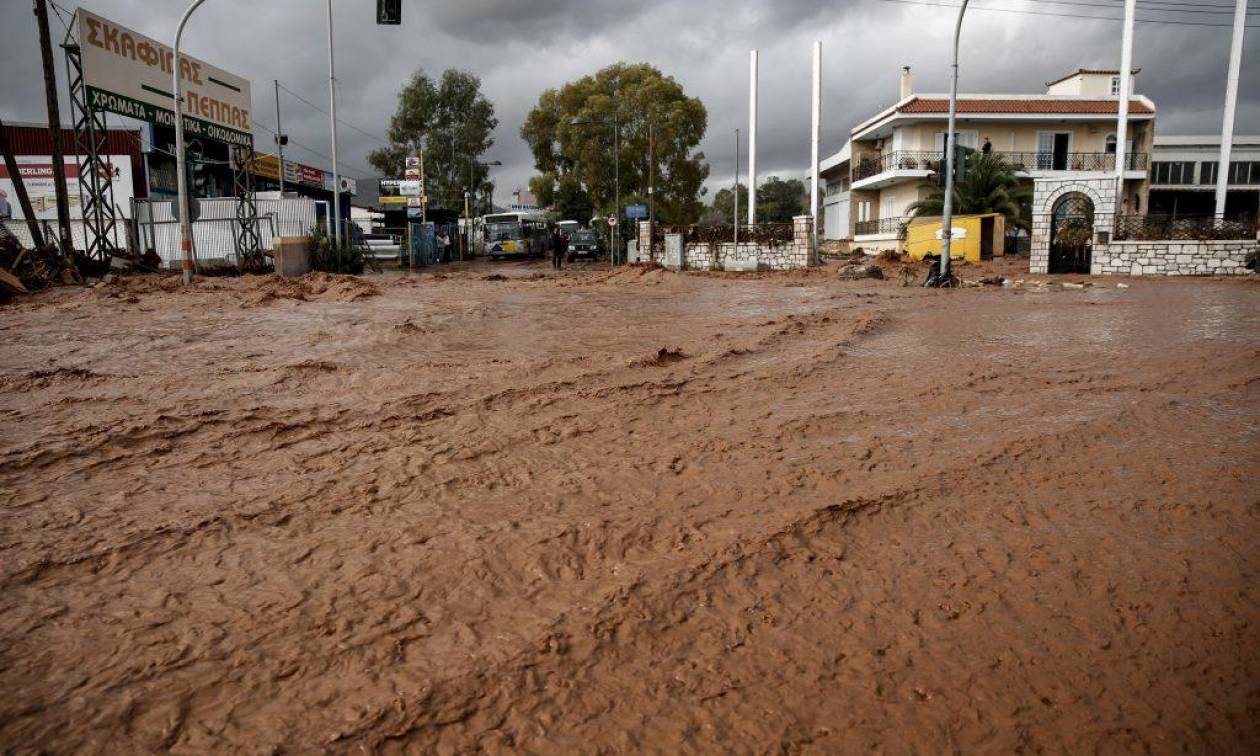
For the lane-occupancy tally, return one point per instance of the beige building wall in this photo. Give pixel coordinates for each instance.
(1083, 85)
(898, 197)
(1088, 136)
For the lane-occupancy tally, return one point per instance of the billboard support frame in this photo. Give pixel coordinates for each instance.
(96, 189)
(248, 241)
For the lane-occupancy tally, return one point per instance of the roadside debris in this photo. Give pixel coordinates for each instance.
(28, 270)
(855, 271)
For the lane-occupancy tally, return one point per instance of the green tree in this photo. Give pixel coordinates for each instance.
(452, 122)
(722, 211)
(988, 185)
(778, 201)
(639, 95)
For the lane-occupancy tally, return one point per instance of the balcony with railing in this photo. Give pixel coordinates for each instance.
(880, 226)
(893, 161)
(1027, 162)
(875, 171)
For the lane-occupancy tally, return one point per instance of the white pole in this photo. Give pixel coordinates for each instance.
(181, 178)
(279, 140)
(816, 112)
(736, 189)
(1122, 109)
(947, 217)
(332, 96)
(1231, 99)
(752, 138)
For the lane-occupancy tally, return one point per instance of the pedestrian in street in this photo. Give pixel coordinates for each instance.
(559, 246)
(444, 244)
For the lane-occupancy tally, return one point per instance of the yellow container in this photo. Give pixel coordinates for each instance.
(975, 237)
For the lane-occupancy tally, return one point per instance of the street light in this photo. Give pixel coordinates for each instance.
(181, 180)
(616, 127)
(467, 214)
(947, 216)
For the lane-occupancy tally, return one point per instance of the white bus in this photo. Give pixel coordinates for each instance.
(519, 233)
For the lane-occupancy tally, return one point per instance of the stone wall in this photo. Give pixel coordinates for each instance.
(798, 253)
(1101, 190)
(1172, 258)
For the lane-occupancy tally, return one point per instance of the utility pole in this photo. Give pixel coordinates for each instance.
(816, 126)
(616, 250)
(1122, 109)
(736, 191)
(752, 139)
(951, 151)
(1231, 99)
(19, 188)
(181, 178)
(54, 131)
(652, 175)
(332, 118)
(280, 137)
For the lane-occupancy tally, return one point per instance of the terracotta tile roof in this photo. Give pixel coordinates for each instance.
(941, 105)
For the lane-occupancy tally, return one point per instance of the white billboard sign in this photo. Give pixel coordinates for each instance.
(409, 188)
(37, 175)
(130, 74)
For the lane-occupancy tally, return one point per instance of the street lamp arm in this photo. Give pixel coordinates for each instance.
(181, 179)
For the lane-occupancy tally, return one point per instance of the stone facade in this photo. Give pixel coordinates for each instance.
(1101, 190)
(1172, 258)
(798, 253)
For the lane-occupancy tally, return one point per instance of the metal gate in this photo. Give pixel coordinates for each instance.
(420, 249)
(1071, 233)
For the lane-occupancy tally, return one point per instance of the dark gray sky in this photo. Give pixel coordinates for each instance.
(520, 47)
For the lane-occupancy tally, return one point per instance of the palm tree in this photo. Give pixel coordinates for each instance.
(988, 185)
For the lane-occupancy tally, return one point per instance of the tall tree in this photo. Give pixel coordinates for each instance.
(722, 211)
(452, 122)
(658, 121)
(988, 185)
(779, 200)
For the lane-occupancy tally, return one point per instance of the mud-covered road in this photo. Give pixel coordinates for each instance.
(508, 510)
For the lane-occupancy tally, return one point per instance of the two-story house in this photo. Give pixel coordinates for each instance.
(1068, 132)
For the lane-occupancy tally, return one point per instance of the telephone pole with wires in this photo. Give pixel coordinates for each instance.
(54, 130)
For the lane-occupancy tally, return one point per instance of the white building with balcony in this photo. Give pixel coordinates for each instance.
(1068, 133)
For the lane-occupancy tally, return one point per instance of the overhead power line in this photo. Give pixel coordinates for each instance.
(1147, 6)
(1168, 22)
(340, 163)
(310, 104)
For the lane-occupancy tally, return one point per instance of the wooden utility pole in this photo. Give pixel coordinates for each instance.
(19, 188)
(54, 130)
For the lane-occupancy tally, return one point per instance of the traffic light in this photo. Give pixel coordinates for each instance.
(389, 12)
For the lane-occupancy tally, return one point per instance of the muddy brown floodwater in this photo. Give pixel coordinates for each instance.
(507, 510)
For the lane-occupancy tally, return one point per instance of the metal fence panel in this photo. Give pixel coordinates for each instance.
(215, 230)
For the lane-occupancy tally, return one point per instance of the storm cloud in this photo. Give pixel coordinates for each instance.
(520, 48)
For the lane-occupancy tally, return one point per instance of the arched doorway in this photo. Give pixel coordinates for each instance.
(1071, 233)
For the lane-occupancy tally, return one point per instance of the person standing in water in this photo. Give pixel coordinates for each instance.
(559, 246)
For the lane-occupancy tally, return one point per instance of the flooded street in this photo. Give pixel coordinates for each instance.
(595, 511)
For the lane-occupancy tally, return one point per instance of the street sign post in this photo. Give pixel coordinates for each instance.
(637, 212)
(612, 220)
